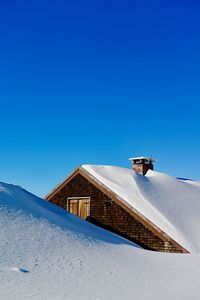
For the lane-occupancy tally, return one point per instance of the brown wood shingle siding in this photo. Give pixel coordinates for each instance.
(108, 214)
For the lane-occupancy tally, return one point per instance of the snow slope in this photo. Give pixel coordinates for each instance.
(47, 253)
(170, 203)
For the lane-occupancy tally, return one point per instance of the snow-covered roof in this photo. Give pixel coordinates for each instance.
(172, 204)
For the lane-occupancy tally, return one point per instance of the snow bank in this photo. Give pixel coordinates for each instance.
(47, 253)
(171, 204)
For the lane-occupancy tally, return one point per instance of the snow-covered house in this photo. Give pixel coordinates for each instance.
(156, 211)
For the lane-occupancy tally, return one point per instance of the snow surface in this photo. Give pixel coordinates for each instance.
(170, 203)
(47, 253)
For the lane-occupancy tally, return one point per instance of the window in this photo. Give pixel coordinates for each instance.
(79, 206)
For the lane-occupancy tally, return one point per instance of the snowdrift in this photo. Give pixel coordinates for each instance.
(170, 203)
(47, 253)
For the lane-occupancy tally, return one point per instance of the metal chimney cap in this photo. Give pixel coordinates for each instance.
(149, 159)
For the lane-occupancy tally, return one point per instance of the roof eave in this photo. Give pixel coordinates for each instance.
(61, 184)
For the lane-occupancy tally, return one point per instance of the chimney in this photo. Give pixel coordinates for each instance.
(142, 164)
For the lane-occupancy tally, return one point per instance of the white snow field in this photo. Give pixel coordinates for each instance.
(47, 253)
(170, 203)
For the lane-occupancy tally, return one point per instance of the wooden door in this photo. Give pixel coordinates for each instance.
(73, 207)
(84, 208)
(79, 207)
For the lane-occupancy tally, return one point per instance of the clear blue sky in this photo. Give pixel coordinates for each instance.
(97, 82)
